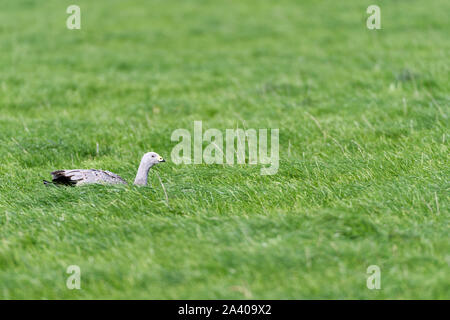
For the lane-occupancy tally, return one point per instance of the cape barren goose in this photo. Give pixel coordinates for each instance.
(78, 177)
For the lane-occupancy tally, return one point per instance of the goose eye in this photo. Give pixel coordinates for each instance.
(153, 156)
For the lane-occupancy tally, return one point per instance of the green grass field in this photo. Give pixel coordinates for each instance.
(364, 169)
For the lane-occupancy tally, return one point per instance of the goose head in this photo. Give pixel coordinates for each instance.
(152, 158)
(148, 160)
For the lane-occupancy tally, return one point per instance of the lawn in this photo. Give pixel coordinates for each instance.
(364, 160)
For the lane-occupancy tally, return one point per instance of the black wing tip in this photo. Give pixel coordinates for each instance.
(59, 177)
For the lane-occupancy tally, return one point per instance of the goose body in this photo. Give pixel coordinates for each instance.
(82, 176)
(77, 177)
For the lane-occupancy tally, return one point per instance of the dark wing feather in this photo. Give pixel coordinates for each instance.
(64, 177)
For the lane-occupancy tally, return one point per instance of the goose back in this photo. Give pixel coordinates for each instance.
(83, 176)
